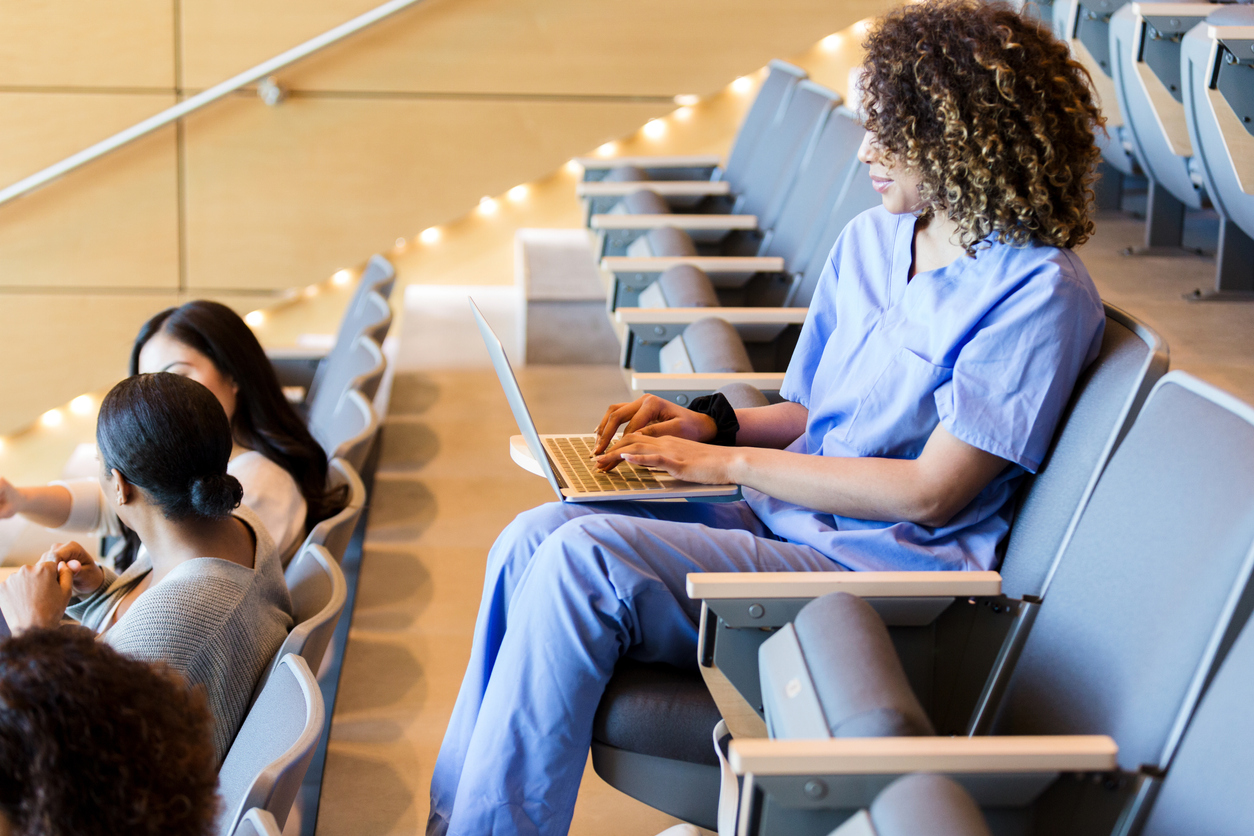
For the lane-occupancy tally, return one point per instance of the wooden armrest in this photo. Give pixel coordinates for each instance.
(736, 316)
(678, 221)
(710, 264)
(662, 382)
(665, 188)
(713, 586)
(296, 352)
(1230, 33)
(890, 755)
(1199, 10)
(672, 161)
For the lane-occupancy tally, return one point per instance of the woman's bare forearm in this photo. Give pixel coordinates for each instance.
(777, 425)
(928, 490)
(48, 506)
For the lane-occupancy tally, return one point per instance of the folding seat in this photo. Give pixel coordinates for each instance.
(257, 823)
(829, 150)
(350, 432)
(646, 742)
(1205, 788)
(335, 531)
(1217, 80)
(359, 368)
(1085, 26)
(687, 184)
(1146, 598)
(318, 591)
(767, 184)
(1145, 65)
(271, 753)
(767, 312)
(299, 367)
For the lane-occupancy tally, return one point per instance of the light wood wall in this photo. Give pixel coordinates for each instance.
(403, 127)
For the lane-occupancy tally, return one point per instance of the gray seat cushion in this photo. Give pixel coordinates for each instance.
(714, 346)
(923, 803)
(856, 673)
(685, 286)
(626, 174)
(668, 241)
(664, 241)
(743, 396)
(657, 710)
(644, 202)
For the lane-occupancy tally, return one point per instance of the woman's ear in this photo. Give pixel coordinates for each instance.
(121, 492)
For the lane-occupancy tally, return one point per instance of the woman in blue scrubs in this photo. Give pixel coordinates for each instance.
(943, 342)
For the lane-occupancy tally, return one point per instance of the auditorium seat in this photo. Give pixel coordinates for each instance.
(966, 638)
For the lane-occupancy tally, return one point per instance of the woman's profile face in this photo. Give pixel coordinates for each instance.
(898, 186)
(163, 353)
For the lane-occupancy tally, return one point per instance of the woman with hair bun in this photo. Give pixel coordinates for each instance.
(206, 595)
(281, 467)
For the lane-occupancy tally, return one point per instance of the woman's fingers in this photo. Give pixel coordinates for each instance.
(614, 418)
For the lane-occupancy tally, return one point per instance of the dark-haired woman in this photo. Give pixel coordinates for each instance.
(282, 468)
(940, 349)
(206, 595)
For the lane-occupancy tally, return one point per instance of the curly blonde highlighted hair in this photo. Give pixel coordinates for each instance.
(992, 112)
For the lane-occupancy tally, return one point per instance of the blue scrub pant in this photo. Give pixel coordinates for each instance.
(569, 590)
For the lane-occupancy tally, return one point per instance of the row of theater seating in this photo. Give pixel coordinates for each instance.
(712, 276)
(262, 774)
(1176, 82)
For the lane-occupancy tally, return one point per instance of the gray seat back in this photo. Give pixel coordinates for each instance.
(781, 78)
(1216, 128)
(379, 276)
(271, 753)
(319, 590)
(360, 368)
(818, 185)
(335, 531)
(1158, 563)
(257, 823)
(1085, 26)
(855, 197)
(1103, 404)
(1145, 65)
(368, 314)
(773, 167)
(1207, 788)
(350, 431)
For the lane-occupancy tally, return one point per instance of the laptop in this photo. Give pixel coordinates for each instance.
(566, 460)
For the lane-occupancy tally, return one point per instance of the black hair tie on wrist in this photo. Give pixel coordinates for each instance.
(717, 407)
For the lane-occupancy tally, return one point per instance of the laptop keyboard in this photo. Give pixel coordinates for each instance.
(574, 455)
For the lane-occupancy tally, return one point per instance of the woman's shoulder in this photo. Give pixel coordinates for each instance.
(251, 467)
(1037, 264)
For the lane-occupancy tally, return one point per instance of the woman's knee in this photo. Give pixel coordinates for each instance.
(519, 540)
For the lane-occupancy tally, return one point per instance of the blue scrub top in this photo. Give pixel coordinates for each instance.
(989, 346)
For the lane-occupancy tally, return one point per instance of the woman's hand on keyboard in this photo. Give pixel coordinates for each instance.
(688, 460)
(650, 415)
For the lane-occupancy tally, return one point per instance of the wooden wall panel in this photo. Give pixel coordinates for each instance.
(285, 196)
(82, 342)
(591, 47)
(87, 43)
(112, 223)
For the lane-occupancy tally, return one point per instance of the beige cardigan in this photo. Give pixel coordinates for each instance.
(216, 622)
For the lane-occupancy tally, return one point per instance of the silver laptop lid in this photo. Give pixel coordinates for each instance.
(522, 416)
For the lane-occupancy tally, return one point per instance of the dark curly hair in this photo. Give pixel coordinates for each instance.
(992, 112)
(94, 742)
